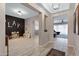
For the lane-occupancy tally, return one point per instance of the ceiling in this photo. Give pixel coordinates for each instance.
(59, 19)
(13, 8)
(55, 7)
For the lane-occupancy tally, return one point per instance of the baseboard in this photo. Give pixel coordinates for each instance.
(45, 49)
(71, 46)
(45, 44)
(70, 53)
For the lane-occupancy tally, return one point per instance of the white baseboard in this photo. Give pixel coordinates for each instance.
(45, 50)
(45, 44)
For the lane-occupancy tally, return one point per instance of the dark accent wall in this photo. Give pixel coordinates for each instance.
(14, 24)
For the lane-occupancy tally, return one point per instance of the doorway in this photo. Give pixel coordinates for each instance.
(60, 32)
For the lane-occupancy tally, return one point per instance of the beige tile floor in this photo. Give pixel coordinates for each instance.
(23, 46)
(20, 46)
(60, 44)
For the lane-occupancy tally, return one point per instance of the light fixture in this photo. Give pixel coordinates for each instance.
(56, 6)
(19, 12)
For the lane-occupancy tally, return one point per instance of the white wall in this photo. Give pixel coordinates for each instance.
(43, 36)
(43, 39)
(70, 28)
(76, 40)
(30, 24)
(2, 28)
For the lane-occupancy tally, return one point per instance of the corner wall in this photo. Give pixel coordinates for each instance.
(2, 29)
(70, 49)
(76, 39)
(29, 25)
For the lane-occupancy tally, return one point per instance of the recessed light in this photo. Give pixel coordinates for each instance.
(55, 6)
(19, 12)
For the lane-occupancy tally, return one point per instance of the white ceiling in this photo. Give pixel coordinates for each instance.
(62, 7)
(49, 7)
(12, 8)
(58, 19)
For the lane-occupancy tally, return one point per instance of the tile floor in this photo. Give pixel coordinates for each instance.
(20, 46)
(24, 46)
(60, 44)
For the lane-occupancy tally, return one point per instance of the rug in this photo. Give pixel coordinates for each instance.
(54, 52)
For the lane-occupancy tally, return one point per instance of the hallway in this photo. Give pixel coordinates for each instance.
(29, 30)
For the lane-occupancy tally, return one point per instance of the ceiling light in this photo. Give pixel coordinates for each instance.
(19, 12)
(56, 6)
